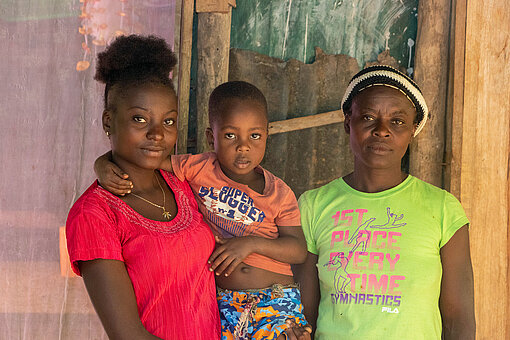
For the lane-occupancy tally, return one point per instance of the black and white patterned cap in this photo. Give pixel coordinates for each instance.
(391, 77)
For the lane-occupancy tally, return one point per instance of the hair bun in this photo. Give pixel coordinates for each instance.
(135, 56)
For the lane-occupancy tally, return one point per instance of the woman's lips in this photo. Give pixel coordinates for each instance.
(153, 151)
(379, 148)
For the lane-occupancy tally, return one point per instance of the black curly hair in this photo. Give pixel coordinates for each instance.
(135, 60)
(233, 90)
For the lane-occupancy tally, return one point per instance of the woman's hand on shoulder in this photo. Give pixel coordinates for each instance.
(111, 177)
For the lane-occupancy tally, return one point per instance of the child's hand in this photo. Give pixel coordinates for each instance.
(229, 253)
(111, 177)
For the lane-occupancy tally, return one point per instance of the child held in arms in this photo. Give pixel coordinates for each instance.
(253, 214)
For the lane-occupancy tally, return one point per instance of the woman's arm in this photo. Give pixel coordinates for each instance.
(456, 301)
(113, 297)
(307, 276)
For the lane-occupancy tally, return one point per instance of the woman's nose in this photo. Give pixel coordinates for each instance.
(381, 128)
(155, 132)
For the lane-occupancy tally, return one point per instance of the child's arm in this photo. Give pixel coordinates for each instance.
(456, 301)
(289, 247)
(307, 276)
(110, 176)
(113, 179)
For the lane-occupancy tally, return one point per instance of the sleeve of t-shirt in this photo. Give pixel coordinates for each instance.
(91, 234)
(454, 218)
(188, 166)
(289, 215)
(306, 222)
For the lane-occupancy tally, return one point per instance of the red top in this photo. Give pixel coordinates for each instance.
(166, 261)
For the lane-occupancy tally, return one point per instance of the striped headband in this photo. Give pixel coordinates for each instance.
(387, 76)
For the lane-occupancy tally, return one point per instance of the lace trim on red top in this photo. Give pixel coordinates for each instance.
(186, 216)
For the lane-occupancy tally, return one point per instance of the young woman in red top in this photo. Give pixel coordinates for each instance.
(143, 256)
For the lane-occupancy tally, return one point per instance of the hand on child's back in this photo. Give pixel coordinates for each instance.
(229, 253)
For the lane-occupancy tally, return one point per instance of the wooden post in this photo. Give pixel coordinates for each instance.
(431, 67)
(455, 102)
(184, 48)
(213, 44)
(481, 152)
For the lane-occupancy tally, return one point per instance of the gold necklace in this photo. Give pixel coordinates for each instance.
(166, 214)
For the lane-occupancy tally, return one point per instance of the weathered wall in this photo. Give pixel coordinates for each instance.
(481, 153)
(306, 158)
(359, 28)
(289, 31)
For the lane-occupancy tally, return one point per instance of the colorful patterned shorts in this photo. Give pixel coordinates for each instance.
(259, 314)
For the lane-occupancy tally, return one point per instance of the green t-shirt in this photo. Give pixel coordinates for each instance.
(378, 258)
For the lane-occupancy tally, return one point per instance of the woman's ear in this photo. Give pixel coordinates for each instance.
(415, 126)
(107, 120)
(210, 137)
(347, 124)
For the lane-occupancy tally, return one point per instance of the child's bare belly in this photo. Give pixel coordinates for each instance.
(249, 277)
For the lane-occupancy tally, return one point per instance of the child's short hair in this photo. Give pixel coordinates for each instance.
(135, 60)
(233, 90)
(383, 75)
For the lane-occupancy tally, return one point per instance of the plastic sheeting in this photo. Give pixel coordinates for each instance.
(50, 135)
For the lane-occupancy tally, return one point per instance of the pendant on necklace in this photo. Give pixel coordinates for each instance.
(166, 214)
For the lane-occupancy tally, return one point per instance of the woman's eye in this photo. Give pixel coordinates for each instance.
(367, 118)
(139, 119)
(255, 136)
(230, 136)
(398, 122)
(169, 122)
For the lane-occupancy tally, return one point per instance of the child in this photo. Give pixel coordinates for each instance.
(253, 213)
(388, 253)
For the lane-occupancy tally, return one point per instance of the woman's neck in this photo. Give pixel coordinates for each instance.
(374, 180)
(143, 179)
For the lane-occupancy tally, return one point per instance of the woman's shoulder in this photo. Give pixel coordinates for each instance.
(175, 183)
(333, 187)
(90, 198)
(434, 198)
(92, 203)
(427, 189)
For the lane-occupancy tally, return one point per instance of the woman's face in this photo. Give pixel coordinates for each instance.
(143, 128)
(380, 127)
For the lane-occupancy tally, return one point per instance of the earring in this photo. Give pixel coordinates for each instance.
(107, 133)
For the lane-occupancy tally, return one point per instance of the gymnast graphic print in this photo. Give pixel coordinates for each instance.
(368, 235)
